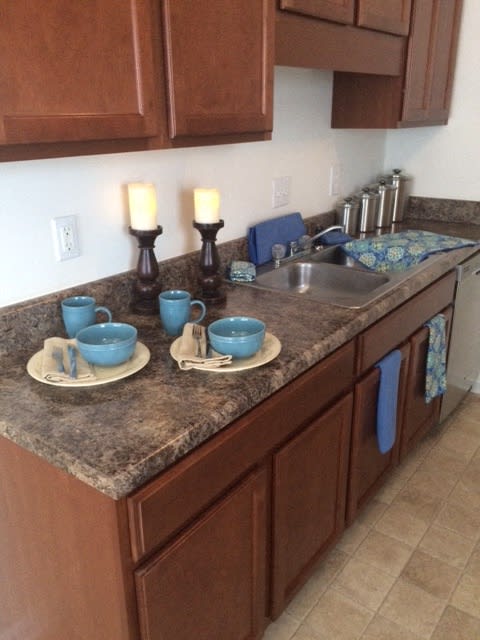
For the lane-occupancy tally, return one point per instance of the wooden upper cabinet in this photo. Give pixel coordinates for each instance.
(342, 11)
(219, 66)
(430, 61)
(392, 16)
(76, 71)
(421, 95)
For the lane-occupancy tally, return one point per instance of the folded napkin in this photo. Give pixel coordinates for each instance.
(399, 251)
(187, 358)
(280, 230)
(436, 369)
(387, 400)
(50, 364)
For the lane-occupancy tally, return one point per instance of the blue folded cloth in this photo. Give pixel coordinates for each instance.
(399, 251)
(264, 235)
(387, 400)
(436, 369)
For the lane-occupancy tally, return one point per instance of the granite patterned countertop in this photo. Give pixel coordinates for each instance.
(115, 437)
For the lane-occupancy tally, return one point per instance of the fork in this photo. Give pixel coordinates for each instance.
(197, 336)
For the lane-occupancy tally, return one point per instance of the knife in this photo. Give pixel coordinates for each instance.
(72, 359)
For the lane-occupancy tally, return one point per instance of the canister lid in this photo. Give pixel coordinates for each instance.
(367, 194)
(348, 203)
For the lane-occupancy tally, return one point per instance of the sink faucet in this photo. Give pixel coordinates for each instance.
(335, 227)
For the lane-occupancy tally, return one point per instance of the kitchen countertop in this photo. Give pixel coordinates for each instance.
(115, 437)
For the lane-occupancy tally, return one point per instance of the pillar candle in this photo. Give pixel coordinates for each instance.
(142, 203)
(207, 205)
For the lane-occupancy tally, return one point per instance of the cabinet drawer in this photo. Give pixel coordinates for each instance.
(197, 480)
(395, 328)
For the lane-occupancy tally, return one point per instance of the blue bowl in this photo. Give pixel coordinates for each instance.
(238, 336)
(107, 344)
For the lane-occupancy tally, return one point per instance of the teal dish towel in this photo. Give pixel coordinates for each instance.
(280, 230)
(400, 251)
(387, 400)
(436, 369)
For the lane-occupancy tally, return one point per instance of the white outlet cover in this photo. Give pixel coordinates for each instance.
(65, 237)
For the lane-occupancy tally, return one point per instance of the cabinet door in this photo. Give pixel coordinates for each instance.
(419, 417)
(309, 490)
(368, 467)
(336, 10)
(210, 582)
(74, 71)
(430, 61)
(392, 16)
(219, 66)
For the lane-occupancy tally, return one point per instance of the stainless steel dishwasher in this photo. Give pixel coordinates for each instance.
(464, 353)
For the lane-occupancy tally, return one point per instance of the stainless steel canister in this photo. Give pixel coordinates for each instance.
(347, 215)
(386, 194)
(369, 201)
(402, 184)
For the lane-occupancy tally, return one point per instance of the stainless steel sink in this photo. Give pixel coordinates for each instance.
(332, 277)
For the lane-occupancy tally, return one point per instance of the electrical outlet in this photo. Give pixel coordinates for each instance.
(65, 237)
(336, 171)
(280, 191)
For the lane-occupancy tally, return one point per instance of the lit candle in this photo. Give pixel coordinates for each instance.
(207, 205)
(142, 203)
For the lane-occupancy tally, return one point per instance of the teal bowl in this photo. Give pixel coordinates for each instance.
(108, 344)
(238, 336)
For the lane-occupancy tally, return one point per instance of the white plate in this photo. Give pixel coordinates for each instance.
(270, 349)
(104, 374)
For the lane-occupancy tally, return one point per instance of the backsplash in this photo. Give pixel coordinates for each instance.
(444, 210)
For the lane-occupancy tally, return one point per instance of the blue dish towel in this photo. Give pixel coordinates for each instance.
(436, 369)
(399, 251)
(280, 230)
(387, 400)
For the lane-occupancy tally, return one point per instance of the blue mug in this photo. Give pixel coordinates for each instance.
(79, 312)
(176, 310)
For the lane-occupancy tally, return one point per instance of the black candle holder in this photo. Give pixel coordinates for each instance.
(146, 288)
(209, 279)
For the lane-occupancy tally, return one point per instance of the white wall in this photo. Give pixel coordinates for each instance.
(303, 147)
(444, 161)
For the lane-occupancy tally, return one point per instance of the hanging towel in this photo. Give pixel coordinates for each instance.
(436, 369)
(387, 400)
(400, 251)
(281, 230)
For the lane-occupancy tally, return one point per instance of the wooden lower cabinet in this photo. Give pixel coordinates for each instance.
(210, 581)
(368, 467)
(419, 417)
(309, 490)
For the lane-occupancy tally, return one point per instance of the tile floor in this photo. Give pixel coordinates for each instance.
(409, 567)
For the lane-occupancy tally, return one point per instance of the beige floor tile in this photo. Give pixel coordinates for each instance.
(383, 629)
(363, 583)
(430, 574)
(282, 629)
(449, 462)
(395, 483)
(384, 552)
(307, 633)
(461, 519)
(309, 595)
(470, 478)
(473, 564)
(457, 625)
(419, 501)
(461, 495)
(338, 617)
(460, 442)
(370, 513)
(412, 608)
(446, 545)
(353, 537)
(466, 596)
(399, 523)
